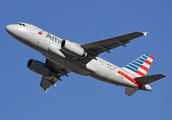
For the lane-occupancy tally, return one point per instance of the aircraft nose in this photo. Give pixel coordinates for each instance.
(9, 29)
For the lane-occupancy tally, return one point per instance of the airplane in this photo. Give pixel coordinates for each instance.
(63, 56)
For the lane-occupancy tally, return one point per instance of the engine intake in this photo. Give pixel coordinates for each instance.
(39, 67)
(73, 48)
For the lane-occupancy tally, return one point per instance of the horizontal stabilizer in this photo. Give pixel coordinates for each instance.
(129, 91)
(148, 79)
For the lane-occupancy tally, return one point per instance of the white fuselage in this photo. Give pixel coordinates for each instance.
(44, 42)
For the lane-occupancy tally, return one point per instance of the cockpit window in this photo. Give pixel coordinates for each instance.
(21, 24)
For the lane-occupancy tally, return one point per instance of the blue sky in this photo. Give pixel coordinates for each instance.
(78, 97)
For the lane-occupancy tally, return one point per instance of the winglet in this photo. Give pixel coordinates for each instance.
(46, 90)
(145, 33)
(54, 85)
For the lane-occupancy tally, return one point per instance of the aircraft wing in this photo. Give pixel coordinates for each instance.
(98, 47)
(58, 71)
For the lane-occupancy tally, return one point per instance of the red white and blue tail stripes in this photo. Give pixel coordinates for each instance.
(137, 68)
(140, 66)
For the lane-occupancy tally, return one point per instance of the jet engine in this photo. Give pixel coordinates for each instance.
(73, 48)
(39, 67)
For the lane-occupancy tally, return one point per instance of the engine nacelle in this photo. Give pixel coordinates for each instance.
(73, 49)
(39, 67)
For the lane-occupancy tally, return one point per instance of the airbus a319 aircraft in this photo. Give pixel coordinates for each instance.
(64, 56)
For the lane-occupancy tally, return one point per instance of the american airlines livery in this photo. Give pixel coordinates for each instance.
(64, 56)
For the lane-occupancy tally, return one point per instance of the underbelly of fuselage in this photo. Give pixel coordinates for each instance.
(113, 79)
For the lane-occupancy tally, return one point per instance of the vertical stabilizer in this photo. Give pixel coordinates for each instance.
(139, 67)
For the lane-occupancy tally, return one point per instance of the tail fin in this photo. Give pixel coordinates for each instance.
(140, 66)
(137, 71)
